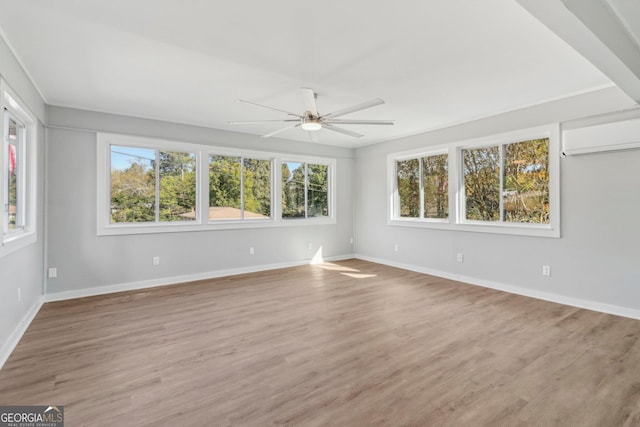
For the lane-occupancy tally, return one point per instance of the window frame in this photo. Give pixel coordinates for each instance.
(457, 220)
(396, 196)
(105, 227)
(12, 240)
(202, 222)
(158, 178)
(331, 164)
(242, 155)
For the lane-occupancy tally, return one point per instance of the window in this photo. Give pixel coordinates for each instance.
(305, 190)
(18, 178)
(505, 183)
(147, 185)
(508, 183)
(150, 185)
(408, 173)
(482, 183)
(435, 179)
(14, 195)
(422, 185)
(239, 188)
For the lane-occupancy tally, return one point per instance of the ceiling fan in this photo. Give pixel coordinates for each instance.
(311, 120)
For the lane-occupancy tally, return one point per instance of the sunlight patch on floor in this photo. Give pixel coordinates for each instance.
(336, 267)
(347, 271)
(359, 275)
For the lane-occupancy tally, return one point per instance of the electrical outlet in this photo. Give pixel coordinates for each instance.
(156, 260)
(19, 294)
(395, 248)
(351, 240)
(251, 251)
(309, 247)
(460, 257)
(52, 273)
(546, 270)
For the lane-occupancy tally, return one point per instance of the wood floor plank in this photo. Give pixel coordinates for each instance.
(346, 343)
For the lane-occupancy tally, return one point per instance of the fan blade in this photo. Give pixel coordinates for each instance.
(340, 130)
(359, 122)
(270, 108)
(309, 98)
(249, 122)
(269, 135)
(355, 108)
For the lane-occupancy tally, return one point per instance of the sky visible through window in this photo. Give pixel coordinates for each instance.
(123, 157)
(292, 166)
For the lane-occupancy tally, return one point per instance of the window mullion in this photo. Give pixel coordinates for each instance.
(461, 213)
(275, 191)
(306, 191)
(421, 185)
(501, 193)
(157, 201)
(241, 187)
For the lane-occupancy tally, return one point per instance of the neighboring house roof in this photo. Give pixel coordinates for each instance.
(225, 212)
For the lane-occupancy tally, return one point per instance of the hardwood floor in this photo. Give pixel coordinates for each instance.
(349, 343)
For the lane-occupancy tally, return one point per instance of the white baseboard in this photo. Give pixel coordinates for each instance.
(19, 331)
(410, 267)
(164, 281)
(533, 293)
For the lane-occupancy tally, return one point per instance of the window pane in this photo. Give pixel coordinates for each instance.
(224, 188)
(317, 195)
(13, 154)
(132, 184)
(293, 190)
(408, 175)
(526, 182)
(435, 178)
(177, 186)
(257, 188)
(482, 183)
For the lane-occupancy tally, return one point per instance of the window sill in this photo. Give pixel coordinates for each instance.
(16, 241)
(536, 230)
(125, 229)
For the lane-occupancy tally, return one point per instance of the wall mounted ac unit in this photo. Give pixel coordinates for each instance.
(621, 135)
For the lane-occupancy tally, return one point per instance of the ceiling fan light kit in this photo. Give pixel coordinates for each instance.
(311, 124)
(313, 121)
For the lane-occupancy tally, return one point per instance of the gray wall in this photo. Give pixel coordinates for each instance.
(23, 268)
(85, 260)
(597, 257)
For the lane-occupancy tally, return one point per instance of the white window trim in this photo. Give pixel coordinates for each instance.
(18, 239)
(202, 222)
(456, 221)
(331, 163)
(395, 205)
(242, 154)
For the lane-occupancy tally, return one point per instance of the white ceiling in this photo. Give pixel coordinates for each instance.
(435, 62)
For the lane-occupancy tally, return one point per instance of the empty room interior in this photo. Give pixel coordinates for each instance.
(336, 213)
